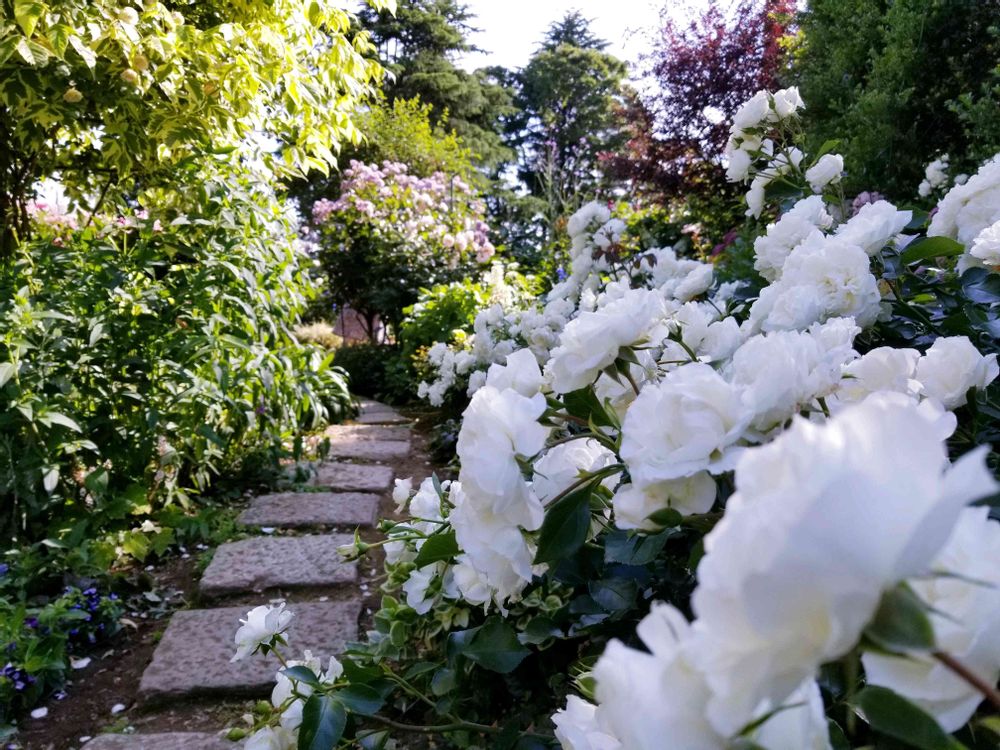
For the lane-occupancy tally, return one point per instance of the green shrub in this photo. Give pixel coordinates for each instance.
(376, 371)
(139, 359)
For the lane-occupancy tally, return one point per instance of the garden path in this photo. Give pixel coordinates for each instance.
(293, 559)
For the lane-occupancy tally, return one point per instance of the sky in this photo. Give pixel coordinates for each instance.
(512, 29)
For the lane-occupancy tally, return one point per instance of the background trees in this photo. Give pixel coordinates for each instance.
(900, 82)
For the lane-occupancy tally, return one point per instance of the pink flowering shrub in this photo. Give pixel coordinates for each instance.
(391, 233)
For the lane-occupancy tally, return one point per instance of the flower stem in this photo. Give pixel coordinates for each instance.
(991, 693)
(456, 726)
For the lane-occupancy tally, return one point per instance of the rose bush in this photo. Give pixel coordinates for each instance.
(711, 516)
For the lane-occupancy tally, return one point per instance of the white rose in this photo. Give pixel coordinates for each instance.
(260, 627)
(874, 226)
(689, 495)
(787, 102)
(968, 209)
(648, 697)
(752, 112)
(497, 427)
(563, 465)
(416, 587)
(825, 518)
(784, 371)
(951, 367)
(826, 171)
(686, 423)
(272, 738)
(795, 225)
(521, 373)
(591, 342)
(801, 725)
(471, 584)
(755, 196)
(578, 727)
(964, 607)
(401, 493)
(738, 166)
(883, 369)
(986, 247)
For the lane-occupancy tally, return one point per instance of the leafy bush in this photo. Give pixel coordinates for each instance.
(376, 371)
(707, 515)
(140, 358)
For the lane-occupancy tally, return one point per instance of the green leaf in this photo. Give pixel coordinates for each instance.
(565, 527)
(360, 699)
(585, 405)
(827, 147)
(496, 647)
(931, 247)
(895, 716)
(27, 13)
(7, 370)
(24, 50)
(302, 674)
(55, 417)
(323, 722)
(436, 548)
(666, 517)
(901, 623)
(85, 53)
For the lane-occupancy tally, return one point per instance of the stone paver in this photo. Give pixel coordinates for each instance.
(353, 477)
(382, 417)
(278, 562)
(369, 405)
(292, 510)
(371, 450)
(193, 657)
(340, 433)
(170, 741)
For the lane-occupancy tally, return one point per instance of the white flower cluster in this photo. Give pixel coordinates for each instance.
(593, 282)
(815, 534)
(970, 213)
(935, 176)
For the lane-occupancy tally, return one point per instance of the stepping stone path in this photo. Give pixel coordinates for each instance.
(192, 659)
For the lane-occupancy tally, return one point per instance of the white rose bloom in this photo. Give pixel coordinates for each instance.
(826, 171)
(800, 726)
(497, 427)
(562, 466)
(825, 518)
(521, 373)
(471, 584)
(689, 495)
(824, 277)
(951, 367)
(494, 547)
(738, 166)
(755, 196)
(285, 688)
(686, 423)
(648, 699)
(261, 626)
(578, 727)
(968, 209)
(401, 493)
(795, 225)
(883, 369)
(416, 587)
(784, 371)
(753, 112)
(964, 607)
(590, 342)
(986, 247)
(787, 102)
(272, 738)
(590, 213)
(874, 226)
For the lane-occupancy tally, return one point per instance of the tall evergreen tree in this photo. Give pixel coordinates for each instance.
(566, 100)
(419, 45)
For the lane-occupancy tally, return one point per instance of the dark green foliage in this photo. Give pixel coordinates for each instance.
(900, 82)
(376, 371)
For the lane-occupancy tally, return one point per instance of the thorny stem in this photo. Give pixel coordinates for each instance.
(605, 472)
(991, 693)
